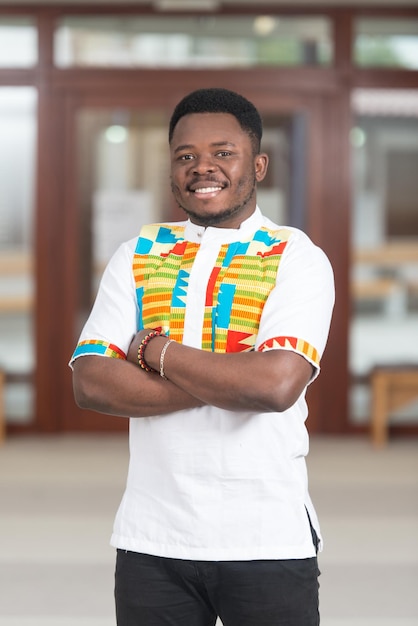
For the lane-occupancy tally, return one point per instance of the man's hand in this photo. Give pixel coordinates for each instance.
(268, 381)
(252, 381)
(119, 387)
(132, 355)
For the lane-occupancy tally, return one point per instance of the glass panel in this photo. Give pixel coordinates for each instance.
(386, 43)
(17, 155)
(215, 41)
(123, 170)
(18, 42)
(384, 328)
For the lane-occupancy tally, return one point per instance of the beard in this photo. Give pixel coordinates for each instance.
(223, 215)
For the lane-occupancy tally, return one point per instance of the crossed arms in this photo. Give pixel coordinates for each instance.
(268, 381)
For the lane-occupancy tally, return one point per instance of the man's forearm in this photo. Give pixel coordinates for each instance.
(264, 382)
(117, 387)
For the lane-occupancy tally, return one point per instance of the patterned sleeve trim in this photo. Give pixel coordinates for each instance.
(95, 346)
(292, 343)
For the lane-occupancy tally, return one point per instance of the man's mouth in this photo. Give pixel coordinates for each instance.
(206, 186)
(205, 190)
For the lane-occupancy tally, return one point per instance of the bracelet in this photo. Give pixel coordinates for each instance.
(162, 355)
(141, 349)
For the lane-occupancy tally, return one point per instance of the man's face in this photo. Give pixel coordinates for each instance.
(214, 170)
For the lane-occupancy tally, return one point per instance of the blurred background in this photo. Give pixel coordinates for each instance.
(86, 92)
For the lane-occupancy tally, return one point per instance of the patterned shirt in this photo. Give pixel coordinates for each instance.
(207, 483)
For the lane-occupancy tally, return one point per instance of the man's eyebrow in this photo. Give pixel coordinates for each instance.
(220, 144)
(185, 146)
(215, 144)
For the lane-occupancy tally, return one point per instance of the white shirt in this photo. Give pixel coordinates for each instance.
(207, 483)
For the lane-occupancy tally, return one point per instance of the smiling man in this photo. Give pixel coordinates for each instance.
(206, 333)
(214, 178)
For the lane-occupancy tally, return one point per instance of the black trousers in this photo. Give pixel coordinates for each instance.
(156, 591)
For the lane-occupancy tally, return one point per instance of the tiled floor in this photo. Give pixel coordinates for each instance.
(58, 496)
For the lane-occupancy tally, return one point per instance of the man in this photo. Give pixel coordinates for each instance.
(214, 328)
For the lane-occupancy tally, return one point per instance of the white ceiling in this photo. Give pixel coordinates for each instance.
(199, 5)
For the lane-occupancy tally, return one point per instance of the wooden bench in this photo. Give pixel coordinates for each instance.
(392, 388)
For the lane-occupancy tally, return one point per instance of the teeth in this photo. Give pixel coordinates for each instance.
(208, 189)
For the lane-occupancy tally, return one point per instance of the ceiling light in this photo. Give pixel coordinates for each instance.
(116, 134)
(264, 25)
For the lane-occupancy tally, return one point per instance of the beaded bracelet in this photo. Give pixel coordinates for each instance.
(162, 356)
(141, 349)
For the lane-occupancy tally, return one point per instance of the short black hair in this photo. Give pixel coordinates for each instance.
(219, 100)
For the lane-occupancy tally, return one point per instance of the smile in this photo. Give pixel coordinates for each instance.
(208, 190)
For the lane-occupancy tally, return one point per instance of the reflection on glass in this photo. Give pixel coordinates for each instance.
(384, 328)
(17, 155)
(386, 42)
(18, 42)
(200, 41)
(124, 182)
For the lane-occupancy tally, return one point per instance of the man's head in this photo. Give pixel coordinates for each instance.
(215, 157)
(218, 100)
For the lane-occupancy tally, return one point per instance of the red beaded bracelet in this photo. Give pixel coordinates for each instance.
(141, 349)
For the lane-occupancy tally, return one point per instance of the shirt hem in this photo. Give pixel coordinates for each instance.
(188, 553)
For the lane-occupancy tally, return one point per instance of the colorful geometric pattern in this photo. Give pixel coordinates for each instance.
(240, 283)
(98, 347)
(161, 267)
(293, 343)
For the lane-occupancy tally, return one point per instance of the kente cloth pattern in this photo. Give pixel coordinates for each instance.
(240, 282)
(292, 343)
(94, 346)
(243, 276)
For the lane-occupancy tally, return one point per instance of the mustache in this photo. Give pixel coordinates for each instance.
(206, 179)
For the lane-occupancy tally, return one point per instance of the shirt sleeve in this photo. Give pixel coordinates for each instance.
(113, 319)
(297, 314)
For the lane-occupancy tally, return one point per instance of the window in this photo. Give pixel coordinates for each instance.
(18, 42)
(200, 41)
(384, 327)
(18, 107)
(386, 43)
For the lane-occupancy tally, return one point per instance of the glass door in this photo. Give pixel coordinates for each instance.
(123, 182)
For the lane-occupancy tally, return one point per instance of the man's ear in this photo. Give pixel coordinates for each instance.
(261, 163)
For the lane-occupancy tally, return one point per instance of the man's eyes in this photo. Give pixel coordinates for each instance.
(190, 157)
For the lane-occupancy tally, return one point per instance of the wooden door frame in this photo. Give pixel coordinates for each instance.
(281, 95)
(60, 90)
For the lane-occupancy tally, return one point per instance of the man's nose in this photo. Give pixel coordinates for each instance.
(203, 164)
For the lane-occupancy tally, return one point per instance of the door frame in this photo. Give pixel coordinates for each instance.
(61, 89)
(274, 92)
